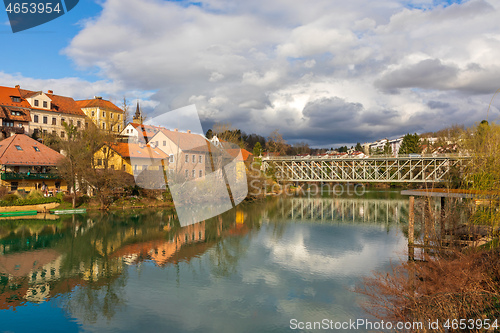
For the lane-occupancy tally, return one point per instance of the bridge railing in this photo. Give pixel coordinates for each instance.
(400, 156)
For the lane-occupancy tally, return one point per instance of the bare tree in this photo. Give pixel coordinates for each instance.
(276, 144)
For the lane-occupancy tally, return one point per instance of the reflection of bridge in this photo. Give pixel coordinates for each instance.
(338, 209)
(415, 169)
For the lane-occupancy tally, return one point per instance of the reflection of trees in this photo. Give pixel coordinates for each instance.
(226, 253)
(98, 298)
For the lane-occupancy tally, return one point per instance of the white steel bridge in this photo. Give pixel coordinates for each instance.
(379, 169)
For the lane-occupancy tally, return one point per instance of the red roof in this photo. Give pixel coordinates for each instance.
(137, 150)
(30, 152)
(58, 103)
(14, 113)
(6, 95)
(187, 141)
(244, 153)
(98, 103)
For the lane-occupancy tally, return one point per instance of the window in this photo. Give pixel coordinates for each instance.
(111, 115)
(62, 134)
(99, 161)
(78, 124)
(194, 173)
(54, 132)
(36, 102)
(71, 122)
(45, 119)
(103, 126)
(118, 117)
(19, 148)
(36, 148)
(112, 167)
(118, 128)
(44, 104)
(104, 150)
(35, 132)
(54, 121)
(164, 143)
(35, 118)
(63, 120)
(13, 186)
(187, 159)
(44, 131)
(8, 123)
(111, 127)
(15, 99)
(123, 167)
(194, 158)
(93, 113)
(201, 173)
(104, 114)
(171, 159)
(187, 173)
(87, 125)
(200, 159)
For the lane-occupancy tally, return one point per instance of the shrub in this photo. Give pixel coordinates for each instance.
(10, 197)
(35, 194)
(25, 202)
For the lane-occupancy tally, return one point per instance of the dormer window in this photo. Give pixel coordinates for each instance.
(36, 102)
(19, 148)
(45, 104)
(15, 99)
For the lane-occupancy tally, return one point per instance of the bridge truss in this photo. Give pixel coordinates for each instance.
(421, 169)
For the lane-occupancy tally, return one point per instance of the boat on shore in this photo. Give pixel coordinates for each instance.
(70, 211)
(18, 213)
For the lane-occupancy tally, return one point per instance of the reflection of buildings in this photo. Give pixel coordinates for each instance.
(179, 247)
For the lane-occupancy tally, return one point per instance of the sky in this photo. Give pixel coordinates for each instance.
(325, 72)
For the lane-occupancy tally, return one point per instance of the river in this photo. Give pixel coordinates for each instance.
(261, 267)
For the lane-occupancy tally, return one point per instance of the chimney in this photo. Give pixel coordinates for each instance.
(97, 97)
(50, 91)
(188, 131)
(177, 130)
(18, 86)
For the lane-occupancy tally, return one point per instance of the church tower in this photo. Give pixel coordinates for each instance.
(138, 118)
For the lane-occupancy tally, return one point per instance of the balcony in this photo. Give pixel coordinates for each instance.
(12, 129)
(25, 176)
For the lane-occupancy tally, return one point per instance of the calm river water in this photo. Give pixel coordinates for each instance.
(253, 269)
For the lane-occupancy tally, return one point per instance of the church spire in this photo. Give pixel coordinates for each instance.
(137, 117)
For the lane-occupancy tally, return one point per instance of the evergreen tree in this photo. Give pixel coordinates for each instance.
(410, 144)
(257, 149)
(359, 147)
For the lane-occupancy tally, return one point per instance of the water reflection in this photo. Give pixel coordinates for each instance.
(255, 267)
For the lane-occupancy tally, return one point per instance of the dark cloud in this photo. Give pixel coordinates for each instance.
(331, 112)
(438, 105)
(427, 74)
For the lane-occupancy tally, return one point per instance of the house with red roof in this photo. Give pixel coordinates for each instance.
(14, 113)
(133, 158)
(104, 114)
(188, 152)
(28, 164)
(49, 112)
(136, 132)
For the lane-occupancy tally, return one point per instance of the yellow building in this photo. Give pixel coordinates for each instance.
(104, 114)
(133, 158)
